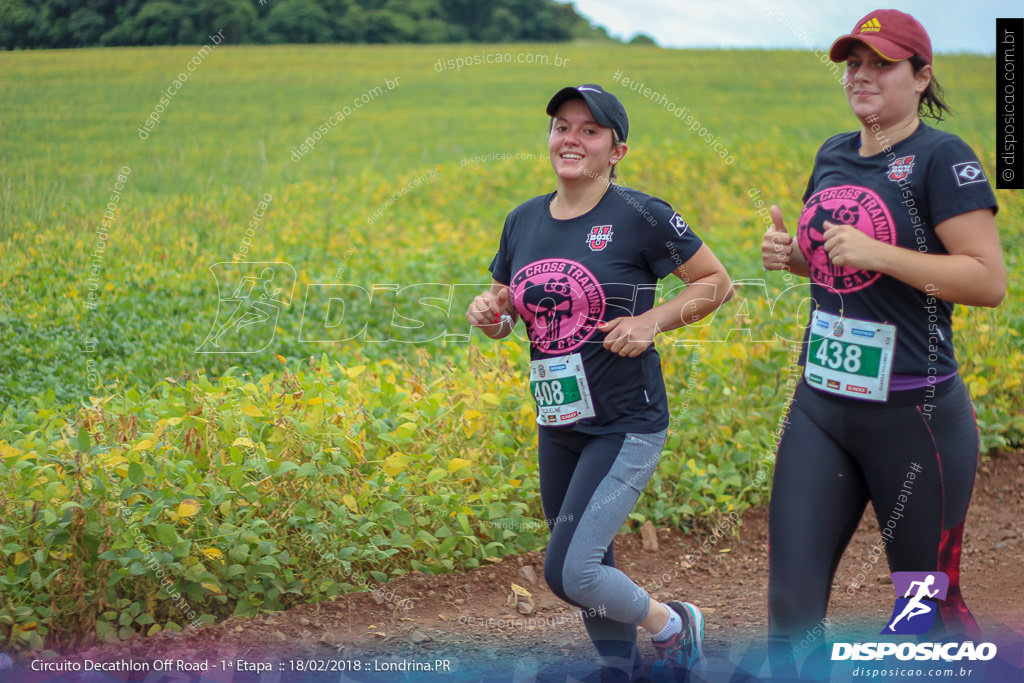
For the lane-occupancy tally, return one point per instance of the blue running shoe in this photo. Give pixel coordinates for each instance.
(683, 651)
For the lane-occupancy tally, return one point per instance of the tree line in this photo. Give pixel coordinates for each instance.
(88, 23)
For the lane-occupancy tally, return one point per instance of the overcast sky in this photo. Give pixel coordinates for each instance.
(965, 26)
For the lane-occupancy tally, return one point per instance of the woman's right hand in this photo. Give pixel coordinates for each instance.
(778, 248)
(486, 309)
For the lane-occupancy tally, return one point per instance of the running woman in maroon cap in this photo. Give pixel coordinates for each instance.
(897, 226)
(580, 266)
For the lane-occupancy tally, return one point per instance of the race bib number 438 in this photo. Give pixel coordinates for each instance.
(559, 386)
(850, 357)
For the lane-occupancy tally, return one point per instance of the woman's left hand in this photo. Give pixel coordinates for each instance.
(850, 248)
(628, 336)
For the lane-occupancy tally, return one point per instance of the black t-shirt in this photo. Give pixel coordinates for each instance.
(897, 197)
(567, 276)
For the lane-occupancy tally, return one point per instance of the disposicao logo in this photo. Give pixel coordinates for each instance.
(917, 598)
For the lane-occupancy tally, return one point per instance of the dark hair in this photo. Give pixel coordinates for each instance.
(615, 143)
(932, 102)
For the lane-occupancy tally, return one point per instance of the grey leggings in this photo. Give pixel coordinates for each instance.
(588, 485)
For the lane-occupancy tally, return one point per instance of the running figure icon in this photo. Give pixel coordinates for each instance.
(918, 599)
(250, 298)
(250, 309)
(915, 607)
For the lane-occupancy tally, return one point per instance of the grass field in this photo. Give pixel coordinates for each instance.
(192, 481)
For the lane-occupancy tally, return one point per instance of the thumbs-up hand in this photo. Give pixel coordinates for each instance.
(777, 245)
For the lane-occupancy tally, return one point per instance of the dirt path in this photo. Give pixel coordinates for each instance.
(464, 618)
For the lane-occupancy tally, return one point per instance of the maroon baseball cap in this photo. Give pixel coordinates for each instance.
(893, 34)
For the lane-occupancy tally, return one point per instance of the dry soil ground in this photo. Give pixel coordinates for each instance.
(466, 619)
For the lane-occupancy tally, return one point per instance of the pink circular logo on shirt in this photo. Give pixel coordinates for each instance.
(561, 303)
(843, 205)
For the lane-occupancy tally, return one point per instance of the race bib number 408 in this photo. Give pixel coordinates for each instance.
(559, 386)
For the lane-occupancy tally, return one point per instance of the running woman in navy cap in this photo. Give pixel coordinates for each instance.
(580, 266)
(897, 226)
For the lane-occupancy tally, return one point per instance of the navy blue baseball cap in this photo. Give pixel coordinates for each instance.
(604, 106)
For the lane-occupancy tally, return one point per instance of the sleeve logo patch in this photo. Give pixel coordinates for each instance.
(679, 224)
(968, 173)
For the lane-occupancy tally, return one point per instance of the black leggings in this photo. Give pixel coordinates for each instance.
(914, 457)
